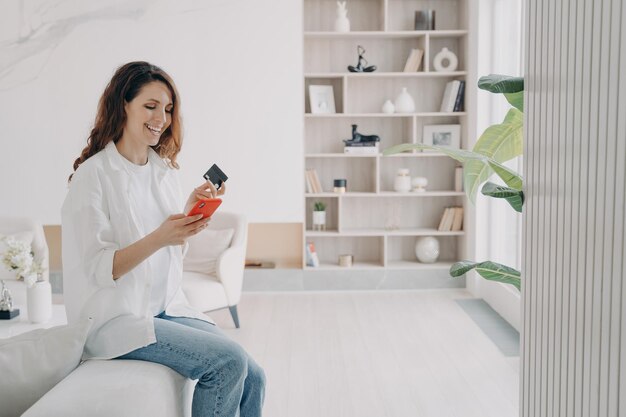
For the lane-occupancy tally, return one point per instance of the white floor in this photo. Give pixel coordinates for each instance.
(360, 354)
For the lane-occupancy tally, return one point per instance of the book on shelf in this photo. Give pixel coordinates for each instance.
(363, 145)
(460, 97)
(450, 96)
(311, 256)
(307, 179)
(444, 218)
(451, 220)
(361, 150)
(314, 180)
(458, 179)
(457, 222)
(414, 60)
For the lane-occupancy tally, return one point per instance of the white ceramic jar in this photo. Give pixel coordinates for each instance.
(402, 182)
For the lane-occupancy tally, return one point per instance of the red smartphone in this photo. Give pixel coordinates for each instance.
(205, 207)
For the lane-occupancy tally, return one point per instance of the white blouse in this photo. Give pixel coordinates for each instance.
(98, 218)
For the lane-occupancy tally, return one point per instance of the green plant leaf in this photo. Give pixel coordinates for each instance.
(516, 100)
(510, 177)
(489, 270)
(504, 141)
(496, 83)
(500, 143)
(460, 155)
(514, 197)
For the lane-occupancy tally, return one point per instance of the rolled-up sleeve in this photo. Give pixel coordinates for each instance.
(88, 224)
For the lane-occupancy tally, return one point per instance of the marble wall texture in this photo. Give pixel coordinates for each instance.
(237, 64)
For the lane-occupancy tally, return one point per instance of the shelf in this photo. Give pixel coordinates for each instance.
(397, 155)
(339, 155)
(381, 232)
(418, 265)
(336, 267)
(390, 194)
(386, 35)
(422, 194)
(419, 74)
(393, 115)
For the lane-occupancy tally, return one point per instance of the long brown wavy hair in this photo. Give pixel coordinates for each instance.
(111, 116)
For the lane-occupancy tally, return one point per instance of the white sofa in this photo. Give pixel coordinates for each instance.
(121, 388)
(136, 388)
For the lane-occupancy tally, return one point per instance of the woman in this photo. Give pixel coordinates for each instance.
(124, 233)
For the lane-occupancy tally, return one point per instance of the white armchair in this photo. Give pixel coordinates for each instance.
(214, 264)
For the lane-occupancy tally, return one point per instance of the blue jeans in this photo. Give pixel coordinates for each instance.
(228, 378)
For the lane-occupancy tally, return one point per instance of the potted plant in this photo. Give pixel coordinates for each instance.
(319, 216)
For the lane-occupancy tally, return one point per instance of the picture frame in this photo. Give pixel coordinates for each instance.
(321, 99)
(442, 135)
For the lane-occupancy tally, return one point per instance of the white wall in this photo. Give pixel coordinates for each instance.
(237, 65)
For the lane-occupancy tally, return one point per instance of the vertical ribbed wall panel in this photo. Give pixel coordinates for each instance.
(574, 299)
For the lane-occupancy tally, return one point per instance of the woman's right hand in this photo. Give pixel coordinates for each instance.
(177, 228)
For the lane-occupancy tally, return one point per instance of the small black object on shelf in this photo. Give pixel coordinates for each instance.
(9, 314)
(361, 140)
(359, 66)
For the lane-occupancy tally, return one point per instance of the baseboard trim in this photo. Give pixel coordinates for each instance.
(301, 280)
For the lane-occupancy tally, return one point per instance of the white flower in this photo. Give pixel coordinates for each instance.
(19, 258)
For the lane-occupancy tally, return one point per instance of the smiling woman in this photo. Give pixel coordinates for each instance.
(151, 90)
(124, 225)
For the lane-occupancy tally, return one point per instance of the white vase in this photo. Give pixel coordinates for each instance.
(445, 55)
(427, 249)
(419, 184)
(319, 220)
(388, 107)
(404, 102)
(39, 302)
(402, 182)
(342, 23)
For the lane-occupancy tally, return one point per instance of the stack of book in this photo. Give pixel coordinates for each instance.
(362, 148)
(453, 97)
(311, 255)
(313, 184)
(414, 61)
(451, 220)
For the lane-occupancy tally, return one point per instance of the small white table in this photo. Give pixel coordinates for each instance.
(20, 324)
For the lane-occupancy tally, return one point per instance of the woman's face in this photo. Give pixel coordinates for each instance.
(149, 114)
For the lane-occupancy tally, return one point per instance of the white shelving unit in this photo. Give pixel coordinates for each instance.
(375, 224)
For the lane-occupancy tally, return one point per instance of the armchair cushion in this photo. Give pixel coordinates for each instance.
(205, 248)
(34, 362)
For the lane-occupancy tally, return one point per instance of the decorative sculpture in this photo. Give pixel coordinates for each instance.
(359, 66)
(6, 302)
(342, 23)
(359, 138)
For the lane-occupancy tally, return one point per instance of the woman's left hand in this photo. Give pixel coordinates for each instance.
(206, 190)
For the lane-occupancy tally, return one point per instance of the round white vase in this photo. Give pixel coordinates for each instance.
(404, 102)
(448, 57)
(39, 302)
(388, 107)
(427, 249)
